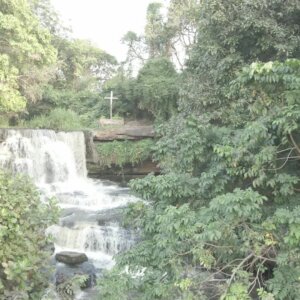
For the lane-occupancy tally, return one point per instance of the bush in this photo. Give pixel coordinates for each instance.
(157, 87)
(122, 153)
(23, 221)
(58, 119)
(4, 121)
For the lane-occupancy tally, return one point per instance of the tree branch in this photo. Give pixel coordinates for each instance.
(239, 266)
(294, 143)
(286, 160)
(288, 149)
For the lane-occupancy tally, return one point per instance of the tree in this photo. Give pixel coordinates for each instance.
(155, 34)
(25, 51)
(49, 18)
(80, 59)
(124, 88)
(222, 220)
(232, 34)
(156, 87)
(82, 70)
(136, 53)
(182, 23)
(10, 98)
(39, 62)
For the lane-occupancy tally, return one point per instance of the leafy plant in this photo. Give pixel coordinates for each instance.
(26, 52)
(23, 221)
(68, 289)
(223, 219)
(58, 119)
(157, 88)
(122, 153)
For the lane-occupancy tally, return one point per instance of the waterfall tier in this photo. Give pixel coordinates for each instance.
(57, 164)
(44, 155)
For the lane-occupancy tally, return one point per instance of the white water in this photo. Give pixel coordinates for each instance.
(47, 157)
(56, 163)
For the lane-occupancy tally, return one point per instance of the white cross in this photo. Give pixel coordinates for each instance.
(111, 98)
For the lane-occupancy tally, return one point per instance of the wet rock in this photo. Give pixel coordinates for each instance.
(71, 258)
(89, 294)
(65, 273)
(125, 132)
(109, 216)
(128, 171)
(49, 247)
(91, 152)
(72, 216)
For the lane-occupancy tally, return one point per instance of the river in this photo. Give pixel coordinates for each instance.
(91, 209)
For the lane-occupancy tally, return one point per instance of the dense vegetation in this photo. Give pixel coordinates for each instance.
(43, 69)
(57, 119)
(24, 252)
(223, 219)
(119, 153)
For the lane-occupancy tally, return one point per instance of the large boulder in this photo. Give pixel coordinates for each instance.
(71, 258)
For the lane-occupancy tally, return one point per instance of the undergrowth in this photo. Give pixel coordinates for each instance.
(126, 152)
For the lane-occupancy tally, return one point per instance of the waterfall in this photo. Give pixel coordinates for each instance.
(56, 162)
(110, 239)
(46, 156)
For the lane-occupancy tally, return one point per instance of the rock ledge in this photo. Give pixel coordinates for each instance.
(71, 258)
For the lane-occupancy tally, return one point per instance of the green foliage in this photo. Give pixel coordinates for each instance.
(120, 281)
(10, 98)
(25, 52)
(48, 17)
(58, 119)
(153, 94)
(124, 87)
(4, 122)
(222, 221)
(81, 59)
(177, 240)
(155, 33)
(231, 35)
(68, 289)
(24, 220)
(136, 52)
(171, 188)
(237, 291)
(285, 284)
(88, 104)
(82, 71)
(122, 153)
(157, 87)
(41, 66)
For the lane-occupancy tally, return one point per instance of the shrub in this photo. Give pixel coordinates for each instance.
(23, 221)
(121, 153)
(58, 119)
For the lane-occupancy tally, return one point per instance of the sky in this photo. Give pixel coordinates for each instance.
(104, 22)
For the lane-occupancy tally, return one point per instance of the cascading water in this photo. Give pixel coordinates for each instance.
(56, 163)
(44, 155)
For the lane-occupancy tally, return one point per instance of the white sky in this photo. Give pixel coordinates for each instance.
(104, 22)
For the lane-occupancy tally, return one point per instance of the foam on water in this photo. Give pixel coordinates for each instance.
(46, 156)
(56, 163)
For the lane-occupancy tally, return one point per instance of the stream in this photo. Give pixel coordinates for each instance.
(91, 209)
